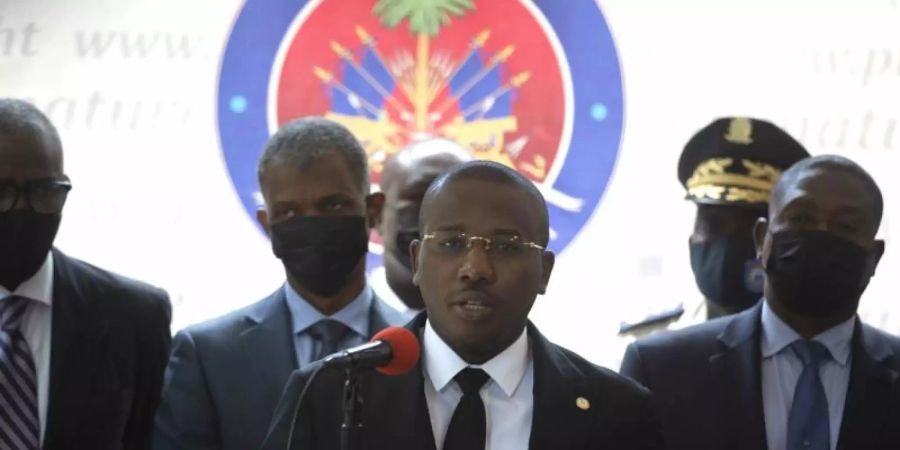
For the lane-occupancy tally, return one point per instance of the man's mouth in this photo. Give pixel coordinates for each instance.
(473, 305)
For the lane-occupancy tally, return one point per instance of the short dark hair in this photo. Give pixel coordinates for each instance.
(20, 117)
(301, 141)
(837, 163)
(496, 173)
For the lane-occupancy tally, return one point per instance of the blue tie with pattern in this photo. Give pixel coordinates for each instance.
(19, 426)
(808, 423)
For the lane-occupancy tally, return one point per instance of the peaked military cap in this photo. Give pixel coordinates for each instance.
(736, 161)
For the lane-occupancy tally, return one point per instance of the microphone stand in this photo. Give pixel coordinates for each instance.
(352, 427)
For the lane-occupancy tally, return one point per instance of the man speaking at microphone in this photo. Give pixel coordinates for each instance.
(225, 376)
(487, 378)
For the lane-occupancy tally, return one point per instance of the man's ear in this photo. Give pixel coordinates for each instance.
(548, 259)
(374, 209)
(759, 237)
(876, 254)
(414, 248)
(262, 217)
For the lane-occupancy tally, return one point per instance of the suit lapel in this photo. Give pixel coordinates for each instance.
(737, 383)
(396, 413)
(267, 344)
(869, 391)
(557, 421)
(76, 349)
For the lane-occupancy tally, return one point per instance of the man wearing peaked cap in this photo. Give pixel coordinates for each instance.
(728, 169)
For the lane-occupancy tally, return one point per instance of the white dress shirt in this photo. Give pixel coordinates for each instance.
(781, 369)
(508, 396)
(36, 328)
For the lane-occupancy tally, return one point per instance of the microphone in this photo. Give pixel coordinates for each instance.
(392, 351)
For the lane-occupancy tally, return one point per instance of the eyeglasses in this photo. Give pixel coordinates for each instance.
(44, 196)
(455, 243)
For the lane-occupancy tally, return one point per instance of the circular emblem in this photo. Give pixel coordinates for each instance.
(533, 85)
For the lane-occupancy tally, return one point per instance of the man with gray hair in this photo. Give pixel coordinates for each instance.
(404, 180)
(225, 376)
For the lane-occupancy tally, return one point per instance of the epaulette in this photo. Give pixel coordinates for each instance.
(653, 319)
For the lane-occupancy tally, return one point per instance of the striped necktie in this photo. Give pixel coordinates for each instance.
(19, 426)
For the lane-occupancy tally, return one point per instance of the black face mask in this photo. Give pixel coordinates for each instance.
(321, 252)
(25, 239)
(403, 240)
(727, 271)
(816, 273)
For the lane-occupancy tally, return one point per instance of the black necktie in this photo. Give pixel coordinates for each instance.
(467, 430)
(329, 333)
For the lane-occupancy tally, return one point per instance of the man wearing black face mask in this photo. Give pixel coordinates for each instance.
(728, 169)
(82, 350)
(798, 370)
(225, 376)
(404, 180)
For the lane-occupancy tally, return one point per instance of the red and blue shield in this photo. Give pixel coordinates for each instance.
(533, 85)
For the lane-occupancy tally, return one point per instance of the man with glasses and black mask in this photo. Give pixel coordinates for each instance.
(799, 370)
(82, 350)
(728, 169)
(405, 178)
(225, 376)
(487, 378)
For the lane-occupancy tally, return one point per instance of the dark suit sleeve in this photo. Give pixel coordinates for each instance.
(152, 339)
(185, 419)
(280, 427)
(647, 429)
(632, 366)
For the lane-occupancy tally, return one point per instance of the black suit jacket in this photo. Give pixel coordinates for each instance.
(109, 344)
(706, 383)
(225, 376)
(620, 415)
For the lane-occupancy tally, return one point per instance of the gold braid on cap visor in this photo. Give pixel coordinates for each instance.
(711, 180)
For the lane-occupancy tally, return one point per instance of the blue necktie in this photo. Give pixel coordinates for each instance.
(808, 424)
(329, 333)
(19, 425)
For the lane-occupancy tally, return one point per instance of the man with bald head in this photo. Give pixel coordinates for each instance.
(82, 350)
(487, 378)
(404, 180)
(799, 370)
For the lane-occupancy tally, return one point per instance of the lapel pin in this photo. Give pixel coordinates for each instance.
(582, 403)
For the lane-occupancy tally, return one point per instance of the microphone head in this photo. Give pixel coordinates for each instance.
(404, 350)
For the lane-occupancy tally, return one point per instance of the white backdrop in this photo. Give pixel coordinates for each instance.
(131, 85)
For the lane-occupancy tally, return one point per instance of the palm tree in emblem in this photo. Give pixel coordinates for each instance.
(390, 95)
(425, 20)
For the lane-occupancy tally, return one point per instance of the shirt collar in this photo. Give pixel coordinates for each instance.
(778, 335)
(507, 369)
(355, 315)
(39, 287)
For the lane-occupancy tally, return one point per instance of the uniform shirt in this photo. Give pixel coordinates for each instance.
(37, 329)
(781, 369)
(692, 313)
(378, 281)
(508, 396)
